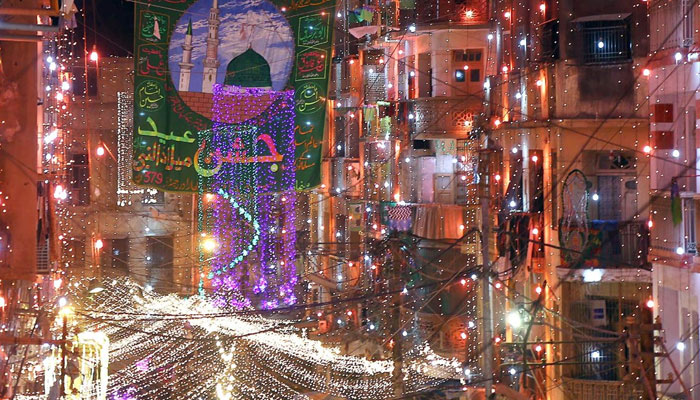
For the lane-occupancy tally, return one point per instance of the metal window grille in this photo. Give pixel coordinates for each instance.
(689, 226)
(375, 84)
(43, 262)
(606, 41)
(688, 22)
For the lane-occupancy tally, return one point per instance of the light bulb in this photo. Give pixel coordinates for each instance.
(513, 319)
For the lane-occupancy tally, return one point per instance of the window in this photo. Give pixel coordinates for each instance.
(80, 180)
(688, 22)
(689, 226)
(665, 16)
(114, 256)
(536, 181)
(514, 193)
(119, 255)
(460, 75)
(606, 41)
(340, 125)
(550, 40)
(421, 145)
(373, 57)
(74, 254)
(352, 138)
(475, 75)
(159, 259)
(425, 81)
(609, 205)
(466, 55)
(616, 160)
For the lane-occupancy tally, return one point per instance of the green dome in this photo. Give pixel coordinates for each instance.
(248, 69)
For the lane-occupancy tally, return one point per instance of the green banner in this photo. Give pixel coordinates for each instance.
(184, 48)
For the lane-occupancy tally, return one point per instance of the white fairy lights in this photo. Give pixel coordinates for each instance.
(235, 354)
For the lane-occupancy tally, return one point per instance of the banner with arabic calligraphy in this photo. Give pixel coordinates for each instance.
(184, 48)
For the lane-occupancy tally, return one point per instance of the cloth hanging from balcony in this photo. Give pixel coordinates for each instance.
(369, 114)
(385, 125)
(439, 221)
(396, 217)
(400, 218)
(676, 211)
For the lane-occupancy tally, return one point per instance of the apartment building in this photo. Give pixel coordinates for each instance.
(673, 174)
(571, 177)
(398, 197)
(112, 227)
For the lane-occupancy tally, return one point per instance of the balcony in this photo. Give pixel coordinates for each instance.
(609, 244)
(445, 117)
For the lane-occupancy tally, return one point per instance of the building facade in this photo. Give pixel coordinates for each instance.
(112, 227)
(673, 93)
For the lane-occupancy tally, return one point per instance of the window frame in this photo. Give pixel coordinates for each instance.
(593, 32)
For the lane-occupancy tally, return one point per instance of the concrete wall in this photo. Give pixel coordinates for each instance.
(18, 156)
(676, 293)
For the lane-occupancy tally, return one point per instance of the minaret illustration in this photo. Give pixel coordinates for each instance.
(186, 64)
(211, 62)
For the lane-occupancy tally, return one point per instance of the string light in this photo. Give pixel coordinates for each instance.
(247, 225)
(235, 348)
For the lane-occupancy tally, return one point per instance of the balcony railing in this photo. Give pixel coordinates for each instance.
(583, 389)
(607, 244)
(445, 117)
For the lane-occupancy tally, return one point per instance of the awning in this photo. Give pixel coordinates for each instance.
(361, 31)
(602, 17)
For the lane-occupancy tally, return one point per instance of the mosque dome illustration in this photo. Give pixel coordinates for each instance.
(249, 69)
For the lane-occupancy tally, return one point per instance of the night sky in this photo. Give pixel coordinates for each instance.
(114, 20)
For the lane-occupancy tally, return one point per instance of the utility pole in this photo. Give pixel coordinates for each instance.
(63, 357)
(487, 316)
(397, 348)
(484, 199)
